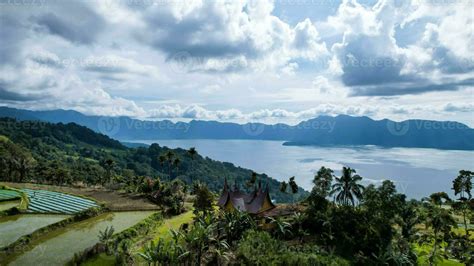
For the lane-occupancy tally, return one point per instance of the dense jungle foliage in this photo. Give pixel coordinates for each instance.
(64, 154)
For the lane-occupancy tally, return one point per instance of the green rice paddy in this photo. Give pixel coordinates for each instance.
(59, 246)
(16, 226)
(43, 201)
(6, 194)
(5, 205)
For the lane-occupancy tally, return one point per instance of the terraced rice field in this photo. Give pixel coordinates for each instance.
(5, 205)
(15, 226)
(59, 246)
(43, 201)
(8, 195)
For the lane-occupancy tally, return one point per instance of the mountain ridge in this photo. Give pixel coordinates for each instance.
(322, 131)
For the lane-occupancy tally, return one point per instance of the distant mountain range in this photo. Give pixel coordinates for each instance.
(323, 130)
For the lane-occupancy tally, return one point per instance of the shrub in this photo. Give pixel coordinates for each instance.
(259, 248)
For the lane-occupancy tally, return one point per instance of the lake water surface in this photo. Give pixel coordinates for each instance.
(416, 172)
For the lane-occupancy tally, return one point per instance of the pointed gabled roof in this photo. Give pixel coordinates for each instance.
(254, 202)
(224, 195)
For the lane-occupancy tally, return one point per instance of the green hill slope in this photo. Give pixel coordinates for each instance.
(69, 153)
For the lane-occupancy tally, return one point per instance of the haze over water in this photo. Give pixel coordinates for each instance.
(416, 172)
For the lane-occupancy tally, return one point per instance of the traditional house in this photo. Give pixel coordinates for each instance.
(256, 202)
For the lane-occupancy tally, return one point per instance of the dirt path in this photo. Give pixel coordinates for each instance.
(114, 200)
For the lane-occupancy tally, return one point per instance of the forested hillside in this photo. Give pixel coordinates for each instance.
(69, 153)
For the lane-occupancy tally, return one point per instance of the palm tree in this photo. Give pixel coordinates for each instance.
(105, 237)
(176, 163)
(162, 160)
(347, 188)
(169, 156)
(462, 186)
(441, 222)
(253, 179)
(283, 186)
(109, 165)
(298, 220)
(192, 153)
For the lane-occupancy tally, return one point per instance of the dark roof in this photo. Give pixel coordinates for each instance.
(248, 202)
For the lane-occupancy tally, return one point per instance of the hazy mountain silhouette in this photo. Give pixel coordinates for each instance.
(323, 130)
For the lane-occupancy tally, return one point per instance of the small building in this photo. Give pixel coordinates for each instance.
(256, 202)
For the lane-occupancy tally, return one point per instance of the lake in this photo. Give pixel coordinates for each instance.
(416, 172)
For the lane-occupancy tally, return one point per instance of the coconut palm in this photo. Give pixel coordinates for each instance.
(169, 156)
(109, 166)
(283, 186)
(192, 153)
(176, 163)
(462, 186)
(347, 188)
(105, 237)
(441, 222)
(253, 179)
(162, 160)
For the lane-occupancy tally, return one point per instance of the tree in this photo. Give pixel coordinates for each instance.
(169, 157)
(439, 198)
(162, 160)
(346, 189)
(192, 153)
(293, 185)
(176, 163)
(322, 181)
(441, 222)
(108, 166)
(24, 164)
(462, 186)
(297, 226)
(283, 186)
(204, 198)
(253, 179)
(105, 237)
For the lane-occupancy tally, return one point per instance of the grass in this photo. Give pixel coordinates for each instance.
(173, 223)
(161, 231)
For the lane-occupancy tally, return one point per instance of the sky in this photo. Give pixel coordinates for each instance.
(236, 60)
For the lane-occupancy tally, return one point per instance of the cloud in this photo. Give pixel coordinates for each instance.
(117, 67)
(453, 107)
(82, 26)
(44, 83)
(115, 57)
(414, 88)
(371, 63)
(228, 36)
(200, 112)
